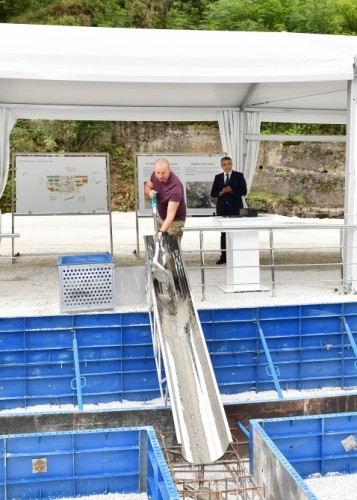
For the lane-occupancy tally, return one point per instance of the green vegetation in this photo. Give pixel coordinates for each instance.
(300, 16)
(5, 201)
(301, 129)
(267, 202)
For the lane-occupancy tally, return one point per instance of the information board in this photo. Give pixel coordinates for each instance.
(71, 183)
(196, 173)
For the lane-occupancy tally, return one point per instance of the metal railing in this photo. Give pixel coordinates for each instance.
(275, 257)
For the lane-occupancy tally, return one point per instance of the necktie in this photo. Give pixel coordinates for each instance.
(227, 179)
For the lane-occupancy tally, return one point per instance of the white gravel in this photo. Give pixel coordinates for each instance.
(242, 397)
(333, 486)
(31, 283)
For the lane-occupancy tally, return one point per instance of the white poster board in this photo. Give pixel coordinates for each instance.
(61, 184)
(196, 173)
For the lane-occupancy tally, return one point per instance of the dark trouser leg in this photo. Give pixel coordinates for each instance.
(223, 245)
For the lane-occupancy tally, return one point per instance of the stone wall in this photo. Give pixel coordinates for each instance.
(168, 137)
(316, 170)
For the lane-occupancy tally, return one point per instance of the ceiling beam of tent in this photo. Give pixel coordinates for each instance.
(251, 91)
(350, 240)
(113, 113)
(285, 115)
(325, 114)
(187, 113)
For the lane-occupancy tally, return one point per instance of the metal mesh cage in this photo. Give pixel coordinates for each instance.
(87, 282)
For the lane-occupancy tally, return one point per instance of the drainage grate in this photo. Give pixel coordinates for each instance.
(88, 285)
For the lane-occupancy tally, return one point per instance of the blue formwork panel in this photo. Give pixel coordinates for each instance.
(114, 353)
(91, 462)
(306, 346)
(318, 444)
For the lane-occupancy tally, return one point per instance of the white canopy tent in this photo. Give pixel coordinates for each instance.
(236, 78)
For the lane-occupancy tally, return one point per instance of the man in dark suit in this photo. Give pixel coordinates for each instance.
(228, 187)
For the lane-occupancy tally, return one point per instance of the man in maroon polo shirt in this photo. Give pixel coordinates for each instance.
(171, 204)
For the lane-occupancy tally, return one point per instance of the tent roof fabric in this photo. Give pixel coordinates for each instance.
(135, 55)
(67, 66)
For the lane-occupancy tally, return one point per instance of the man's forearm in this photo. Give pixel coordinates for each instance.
(148, 191)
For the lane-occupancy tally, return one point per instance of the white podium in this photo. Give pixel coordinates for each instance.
(243, 269)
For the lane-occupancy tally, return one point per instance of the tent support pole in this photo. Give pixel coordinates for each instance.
(350, 240)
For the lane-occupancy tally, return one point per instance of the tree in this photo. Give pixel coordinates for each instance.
(110, 13)
(188, 14)
(246, 15)
(10, 8)
(347, 16)
(300, 16)
(148, 13)
(63, 12)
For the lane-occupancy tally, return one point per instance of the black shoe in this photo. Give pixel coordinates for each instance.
(221, 260)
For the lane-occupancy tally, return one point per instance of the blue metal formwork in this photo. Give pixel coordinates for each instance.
(99, 358)
(318, 444)
(283, 347)
(314, 444)
(76, 463)
(114, 354)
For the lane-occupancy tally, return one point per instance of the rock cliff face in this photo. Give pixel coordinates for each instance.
(314, 170)
(162, 137)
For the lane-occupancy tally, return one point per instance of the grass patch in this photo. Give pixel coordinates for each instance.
(265, 201)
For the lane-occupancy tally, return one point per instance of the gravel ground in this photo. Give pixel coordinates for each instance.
(307, 270)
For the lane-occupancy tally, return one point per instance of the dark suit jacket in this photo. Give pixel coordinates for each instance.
(230, 203)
